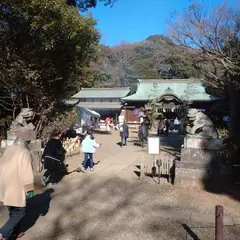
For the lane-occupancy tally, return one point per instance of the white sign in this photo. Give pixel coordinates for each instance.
(154, 145)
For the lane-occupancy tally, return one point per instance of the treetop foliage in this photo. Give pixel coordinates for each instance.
(46, 52)
(83, 5)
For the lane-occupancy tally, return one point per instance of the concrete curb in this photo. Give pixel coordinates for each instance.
(166, 213)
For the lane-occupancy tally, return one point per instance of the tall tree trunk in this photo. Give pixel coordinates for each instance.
(234, 124)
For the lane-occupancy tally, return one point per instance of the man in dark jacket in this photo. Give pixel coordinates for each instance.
(124, 134)
(166, 127)
(143, 133)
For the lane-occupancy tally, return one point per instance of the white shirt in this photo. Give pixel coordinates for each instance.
(89, 145)
(121, 119)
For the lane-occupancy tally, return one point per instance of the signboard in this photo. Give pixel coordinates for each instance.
(154, 145)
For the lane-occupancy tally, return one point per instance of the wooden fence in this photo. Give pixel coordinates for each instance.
(157, 168)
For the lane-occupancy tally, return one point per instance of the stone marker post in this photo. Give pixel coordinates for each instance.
(219, 222)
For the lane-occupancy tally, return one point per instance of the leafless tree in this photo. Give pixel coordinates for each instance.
(211, 36)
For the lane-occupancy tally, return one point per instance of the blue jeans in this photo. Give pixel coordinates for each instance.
(15, 216)
(85, 161)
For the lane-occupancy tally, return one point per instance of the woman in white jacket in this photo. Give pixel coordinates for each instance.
(89, 146)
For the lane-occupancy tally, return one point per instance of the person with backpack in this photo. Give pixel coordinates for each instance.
(89, 146)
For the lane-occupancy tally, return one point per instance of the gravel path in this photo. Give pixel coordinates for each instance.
(112, 203)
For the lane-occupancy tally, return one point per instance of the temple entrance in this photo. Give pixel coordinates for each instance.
(169, 105)
(170, 115)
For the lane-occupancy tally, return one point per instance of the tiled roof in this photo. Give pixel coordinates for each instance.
(186, 89)
(88, 111)
(93, 106)
(71, 101)
(102, 93)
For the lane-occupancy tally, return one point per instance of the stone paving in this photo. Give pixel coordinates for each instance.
(112, 203)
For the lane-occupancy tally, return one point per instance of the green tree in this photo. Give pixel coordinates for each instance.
(144, 69)
(46, 52)
(83, 5)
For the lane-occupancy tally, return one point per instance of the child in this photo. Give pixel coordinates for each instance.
(89, 146)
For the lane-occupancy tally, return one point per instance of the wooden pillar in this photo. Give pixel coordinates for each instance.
(219, 222)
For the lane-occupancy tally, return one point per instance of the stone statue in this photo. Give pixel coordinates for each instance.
(22, 119)
(199, 124)
(22, 123)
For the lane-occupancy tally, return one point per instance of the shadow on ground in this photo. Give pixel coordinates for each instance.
(190, 232)
(36, 207)
(72, 223)
(173, 141)
(102, 132)
(135, 142)
(104, 210)
(218, 173)
(219, 178)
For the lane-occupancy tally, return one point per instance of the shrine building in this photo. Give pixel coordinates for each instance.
(169, 94)
(106, 101)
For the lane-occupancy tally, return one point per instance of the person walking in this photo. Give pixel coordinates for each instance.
(108, 124)
(160, 127)
(166, 127)
(143, 133)
(124, 134)
(53, 159)
(89, 146)
(16, 181)
(176, 124)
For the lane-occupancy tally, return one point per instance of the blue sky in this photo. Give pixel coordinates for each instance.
(135, 20)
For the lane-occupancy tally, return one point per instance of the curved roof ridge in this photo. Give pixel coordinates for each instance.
(175, 80)
(105, 88)
(169, 94)
(102, 93)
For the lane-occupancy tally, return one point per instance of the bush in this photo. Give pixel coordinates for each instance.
(223, 133)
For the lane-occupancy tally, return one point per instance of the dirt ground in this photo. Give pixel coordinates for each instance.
(113, 203)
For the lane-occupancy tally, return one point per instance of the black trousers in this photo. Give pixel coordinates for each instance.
(16, 214)
(166, 132)
(55, 171)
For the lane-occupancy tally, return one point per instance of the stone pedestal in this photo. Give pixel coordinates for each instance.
(200, 142)
(199, 159)
(12, 135)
